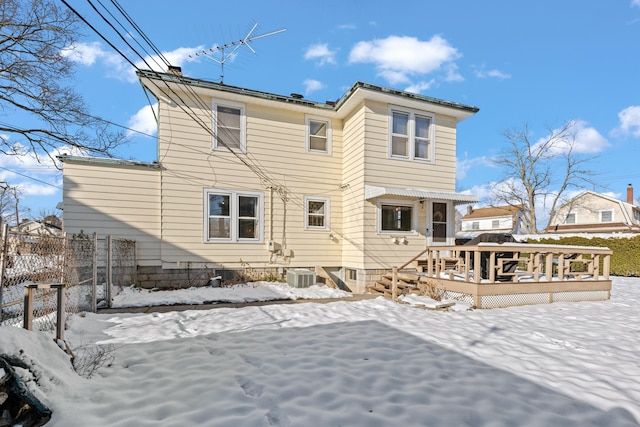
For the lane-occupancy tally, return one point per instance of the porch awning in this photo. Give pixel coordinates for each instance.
(373, 191)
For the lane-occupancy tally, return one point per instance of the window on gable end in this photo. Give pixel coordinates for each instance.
(411, 135)
(318, 135)
(229, 124)
(606, 216)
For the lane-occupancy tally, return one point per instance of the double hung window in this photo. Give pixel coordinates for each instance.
(411, 135)
(316, 213)
(229, 127)
(233, 216)
(318, 135)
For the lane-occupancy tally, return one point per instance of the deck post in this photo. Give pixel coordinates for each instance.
(477, 268)
(28, 308)
(394, 284)
(548, 268)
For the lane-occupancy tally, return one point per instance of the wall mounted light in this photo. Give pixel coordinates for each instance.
(394, 240)
(332, 237)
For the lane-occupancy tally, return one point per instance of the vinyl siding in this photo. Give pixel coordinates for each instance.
(275, 156)
(117, 201)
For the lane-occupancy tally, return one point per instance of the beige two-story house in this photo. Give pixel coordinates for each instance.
(248, 179)
(591, 212)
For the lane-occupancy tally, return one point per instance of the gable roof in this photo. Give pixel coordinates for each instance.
(356, 93)
(492, 211)
(624, 206)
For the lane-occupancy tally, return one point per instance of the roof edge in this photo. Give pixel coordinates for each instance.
(106, 161)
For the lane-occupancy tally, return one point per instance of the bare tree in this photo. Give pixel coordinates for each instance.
(36, 83)
(541, 170)
(9, 203)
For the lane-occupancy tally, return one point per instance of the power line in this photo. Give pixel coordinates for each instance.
(32, 178)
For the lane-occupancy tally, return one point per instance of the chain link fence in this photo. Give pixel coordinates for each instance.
(91, 269)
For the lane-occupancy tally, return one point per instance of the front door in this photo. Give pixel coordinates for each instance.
(438, 224)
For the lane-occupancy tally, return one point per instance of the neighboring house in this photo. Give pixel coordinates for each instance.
(497, 219)
(252, 179)
(591, 212)
(37, 227)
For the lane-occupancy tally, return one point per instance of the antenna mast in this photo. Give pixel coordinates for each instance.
(234, 46)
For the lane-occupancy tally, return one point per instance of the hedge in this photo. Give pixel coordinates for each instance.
(625, 260)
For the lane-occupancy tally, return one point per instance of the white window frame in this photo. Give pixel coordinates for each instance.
(603, 211)
(392, 202)
(575, 218)
(495, 224)
(327, 210)
(243, 124)
(234, 216)
(411, 130)
(308, 120)
(475, 225)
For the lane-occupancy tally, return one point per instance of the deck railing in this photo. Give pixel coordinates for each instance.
(514, 273)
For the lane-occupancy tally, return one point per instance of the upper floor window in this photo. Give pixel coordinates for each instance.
(233, 216)
(495, 223)
(570, 218)
(229, 127)
(316, 213)
(411, 135)
(318, 135)
(475, 225)
(606, 216)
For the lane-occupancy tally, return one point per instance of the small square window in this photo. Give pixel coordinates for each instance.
(495, 223)
(316, 213)
(570, 218)
(606, 216)
(475, 225)
(352, 274)
(396, 218)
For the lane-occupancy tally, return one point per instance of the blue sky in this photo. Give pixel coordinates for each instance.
(537, 63)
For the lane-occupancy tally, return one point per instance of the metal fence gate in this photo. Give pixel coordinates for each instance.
(91, 270)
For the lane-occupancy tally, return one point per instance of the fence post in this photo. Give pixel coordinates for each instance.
(61, 315)
(94, 283)
(109, 269)
(394, 284)
(28, 307)
(3, 264)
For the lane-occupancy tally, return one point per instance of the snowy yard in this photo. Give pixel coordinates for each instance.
(348, 363)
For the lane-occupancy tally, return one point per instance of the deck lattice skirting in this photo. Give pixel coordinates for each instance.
(491, 275)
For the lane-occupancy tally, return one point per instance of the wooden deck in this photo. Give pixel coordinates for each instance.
(491, 275)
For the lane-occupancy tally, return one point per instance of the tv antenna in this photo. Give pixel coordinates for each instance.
(234, 46)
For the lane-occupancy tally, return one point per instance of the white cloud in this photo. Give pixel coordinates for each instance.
(420, 86)
(580, 137)
(320, 53)
(397, 59)
(144, 121)
(452, 73)
(86, 53)
(483, 74)
(463, 166)
(635, 3)
(311, 85)
(90, 54)
(630, 119)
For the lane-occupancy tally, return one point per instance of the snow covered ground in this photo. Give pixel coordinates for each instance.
(349, 363)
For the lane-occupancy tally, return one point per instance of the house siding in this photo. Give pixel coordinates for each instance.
(115, 200)
(278, 166)
(190, 166)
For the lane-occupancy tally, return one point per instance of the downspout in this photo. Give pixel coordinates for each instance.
(270, 213)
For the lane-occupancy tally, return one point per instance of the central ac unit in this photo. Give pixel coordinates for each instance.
(300, 278)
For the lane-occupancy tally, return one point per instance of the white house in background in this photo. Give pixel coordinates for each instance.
(591, 212)
(37, 227)
(252, 179)
(495, 219)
